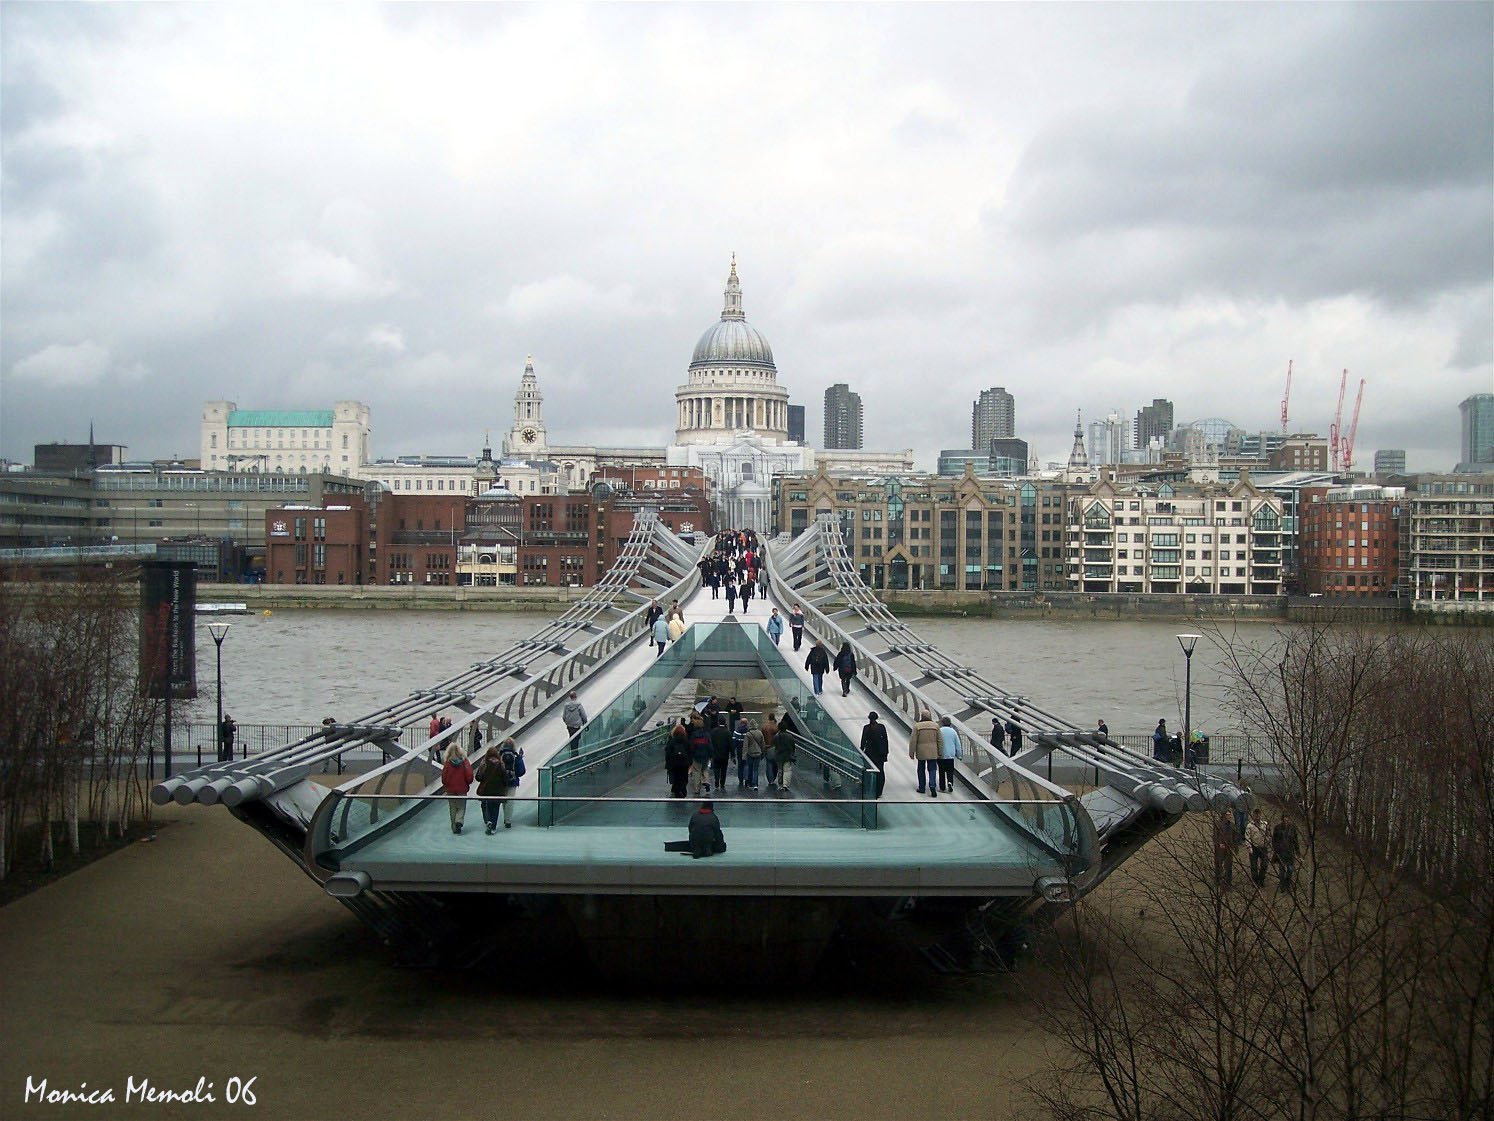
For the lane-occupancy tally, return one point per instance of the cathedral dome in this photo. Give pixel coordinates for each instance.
(732, 342)
(732, 388)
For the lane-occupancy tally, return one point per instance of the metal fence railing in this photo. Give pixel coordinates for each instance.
(195, 742)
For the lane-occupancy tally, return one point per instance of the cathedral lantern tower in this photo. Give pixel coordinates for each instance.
(732, 385)
(527, 436)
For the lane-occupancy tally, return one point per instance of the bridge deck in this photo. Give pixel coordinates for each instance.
(547, 736)
(777, 843)
(923, 847)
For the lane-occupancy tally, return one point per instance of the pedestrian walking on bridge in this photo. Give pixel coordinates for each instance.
(923, 745)
(456, 780)
(874, 747)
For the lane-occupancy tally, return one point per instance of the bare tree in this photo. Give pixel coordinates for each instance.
(73, 725)
(1361, 991)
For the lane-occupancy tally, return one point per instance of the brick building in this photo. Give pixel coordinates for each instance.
(496, 539)
(1348, 540)
(1303, 451)
(317, 544)
(686, 512)
(653, 477)
(386, 538)
(413, 537)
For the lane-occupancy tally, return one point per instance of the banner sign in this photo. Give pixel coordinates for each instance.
(168, 617)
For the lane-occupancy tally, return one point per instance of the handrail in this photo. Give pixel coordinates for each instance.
(536, 697)
(864, 777)
(1078, 840)
(1159, 785)
(649, 537)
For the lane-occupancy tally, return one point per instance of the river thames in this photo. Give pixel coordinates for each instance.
(298, 666)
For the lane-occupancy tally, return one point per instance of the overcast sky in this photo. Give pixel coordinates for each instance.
(1089, 205)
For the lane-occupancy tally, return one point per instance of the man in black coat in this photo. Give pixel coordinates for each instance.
(720, 751)
(874, 747)
(1014, 733)
(226, 732)
(705, 832)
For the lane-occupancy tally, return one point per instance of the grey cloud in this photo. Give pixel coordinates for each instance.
(1360, 159)
(1240, 156)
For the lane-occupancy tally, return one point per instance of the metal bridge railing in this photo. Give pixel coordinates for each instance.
(812, 570)
(544, 666)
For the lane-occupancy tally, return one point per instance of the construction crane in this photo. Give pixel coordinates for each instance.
(1338, 417)
(1285, 397)
(1348, 456)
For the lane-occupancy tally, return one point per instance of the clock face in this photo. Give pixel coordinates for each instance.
(528, 435)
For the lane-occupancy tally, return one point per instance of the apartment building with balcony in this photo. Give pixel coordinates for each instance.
(1217, 540)
(1447, 538)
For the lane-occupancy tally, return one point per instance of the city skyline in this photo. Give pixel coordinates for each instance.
(335, 212)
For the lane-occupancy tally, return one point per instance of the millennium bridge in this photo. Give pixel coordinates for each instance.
(1009, 848)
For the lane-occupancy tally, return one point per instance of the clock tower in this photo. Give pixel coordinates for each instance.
(527, 437)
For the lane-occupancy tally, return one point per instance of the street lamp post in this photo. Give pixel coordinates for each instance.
(1188, 642)
(219, 631)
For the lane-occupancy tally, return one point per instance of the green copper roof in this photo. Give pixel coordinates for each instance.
(280, 418)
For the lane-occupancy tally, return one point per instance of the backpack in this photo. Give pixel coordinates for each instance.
(513, 766)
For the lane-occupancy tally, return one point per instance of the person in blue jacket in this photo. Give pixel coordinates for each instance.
(949, 750)
(775, 626)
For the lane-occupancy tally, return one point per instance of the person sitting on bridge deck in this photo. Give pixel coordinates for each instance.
(705, 832)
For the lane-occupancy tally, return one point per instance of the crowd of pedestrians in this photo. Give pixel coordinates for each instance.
(1268, 847)
(703, 748)
(735, 567)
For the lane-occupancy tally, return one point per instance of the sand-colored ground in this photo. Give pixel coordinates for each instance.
(208, 954)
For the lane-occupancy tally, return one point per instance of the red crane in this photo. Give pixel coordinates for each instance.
(1338, 417)
(1285, 397)
(1353, 428)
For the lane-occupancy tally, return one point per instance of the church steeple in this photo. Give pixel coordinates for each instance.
(733, 306)
(527, 437)
(1077, 457)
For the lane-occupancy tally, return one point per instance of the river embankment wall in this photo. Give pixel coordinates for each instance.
(1099, 606)
(1064, 606)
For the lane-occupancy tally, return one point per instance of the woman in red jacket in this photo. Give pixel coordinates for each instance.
(456, 780)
